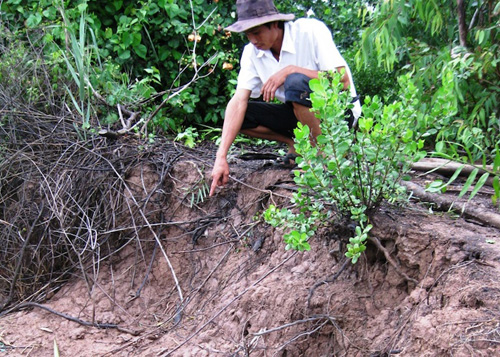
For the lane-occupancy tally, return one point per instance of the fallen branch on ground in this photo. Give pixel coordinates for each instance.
(448, 167)
(444, 203)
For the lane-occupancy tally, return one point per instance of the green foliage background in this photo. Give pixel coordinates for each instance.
(137, 53)
(422, 37)
(142, 48)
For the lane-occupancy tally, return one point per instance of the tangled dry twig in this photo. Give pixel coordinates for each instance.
(64, 201)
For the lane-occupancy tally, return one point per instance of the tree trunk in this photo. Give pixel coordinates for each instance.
(462, 28)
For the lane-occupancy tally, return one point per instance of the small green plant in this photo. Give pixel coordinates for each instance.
(356, 244)
(347, 174)
(79, 65)
(188, 137)
(198, 193)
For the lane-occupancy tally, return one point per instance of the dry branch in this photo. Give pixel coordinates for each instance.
(293, 323)
(64, 202)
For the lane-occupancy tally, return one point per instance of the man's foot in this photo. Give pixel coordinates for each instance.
(287, 161)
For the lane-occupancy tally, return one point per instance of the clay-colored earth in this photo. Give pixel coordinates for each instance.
(222, 283)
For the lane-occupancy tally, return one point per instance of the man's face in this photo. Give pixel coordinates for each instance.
(263, 37)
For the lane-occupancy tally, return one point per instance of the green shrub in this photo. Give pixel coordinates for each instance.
(349, 173)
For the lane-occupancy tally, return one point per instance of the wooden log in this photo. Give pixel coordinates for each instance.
(444, 203)
(447, 168)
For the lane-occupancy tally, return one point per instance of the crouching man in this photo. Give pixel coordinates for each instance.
(278, 63)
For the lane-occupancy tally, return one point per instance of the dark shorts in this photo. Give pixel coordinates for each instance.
(280, 118)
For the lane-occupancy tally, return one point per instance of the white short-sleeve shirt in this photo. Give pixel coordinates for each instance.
(307, 43)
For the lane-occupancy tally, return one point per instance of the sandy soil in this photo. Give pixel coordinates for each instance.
(222, 284)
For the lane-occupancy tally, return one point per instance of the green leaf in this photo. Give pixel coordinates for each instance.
(469, 182)
(440, 145)
(108, 33)
(436, 186)
(496, 185)
(306, 246)
(33, 20)
(365, 124)
(480, 183)
(318, 101)
(50, 13)
(82, 7)
(480, 37)
(141, 51)
(126, 39)
(408, 135)
(136, 39)
(212, 100)
(316, 86)
(163, 53)
(172, 10)
(455, 174)
(496, 162)
(342, 147)
(118, 4)
(124, 55)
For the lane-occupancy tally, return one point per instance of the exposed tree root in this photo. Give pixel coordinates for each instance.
(326, 281)
(320, 321)
(391, 261)
(334, 277)
(77, 320)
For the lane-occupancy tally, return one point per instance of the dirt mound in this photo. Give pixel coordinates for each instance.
(221, 282)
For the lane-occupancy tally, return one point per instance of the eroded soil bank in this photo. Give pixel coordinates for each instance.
(222, 284)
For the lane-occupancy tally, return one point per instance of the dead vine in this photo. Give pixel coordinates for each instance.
(65, 202)
(77, 320)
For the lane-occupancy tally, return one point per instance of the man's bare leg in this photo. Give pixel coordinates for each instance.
(262, 132)
(306, 117)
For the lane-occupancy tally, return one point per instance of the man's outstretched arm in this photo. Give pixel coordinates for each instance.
(233, 119)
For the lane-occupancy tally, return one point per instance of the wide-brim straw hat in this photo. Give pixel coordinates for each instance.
(253, 13)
